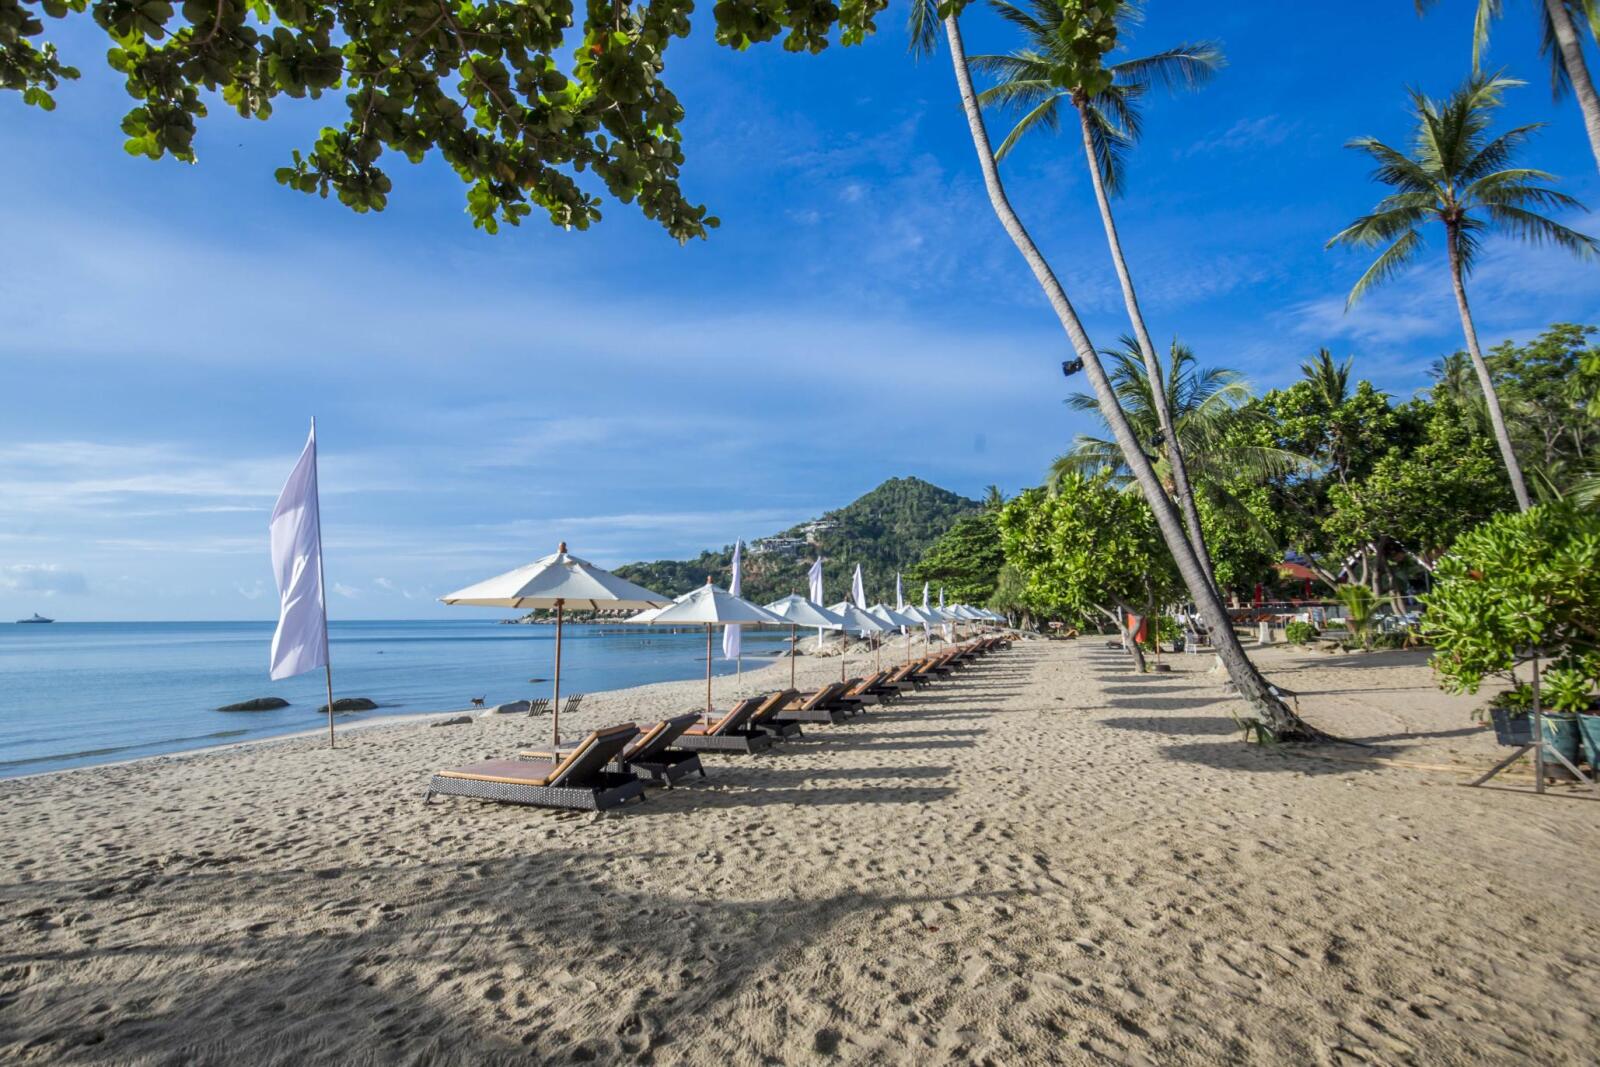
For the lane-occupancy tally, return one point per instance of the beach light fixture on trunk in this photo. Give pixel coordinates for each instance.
(797, 611)
(558, 582)
(712, 607)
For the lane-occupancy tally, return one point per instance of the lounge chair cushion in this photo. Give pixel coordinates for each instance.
(509, 771)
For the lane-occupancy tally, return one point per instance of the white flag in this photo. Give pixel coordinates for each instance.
(814, 575)
(301, 641)
(924, 596)
(732, 636)
(858, 591)
(899, 595)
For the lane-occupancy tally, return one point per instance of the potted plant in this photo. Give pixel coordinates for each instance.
(1569, 694)
(1512, 715)
(1517, 593)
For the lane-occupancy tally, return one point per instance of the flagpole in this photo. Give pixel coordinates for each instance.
(322, 590)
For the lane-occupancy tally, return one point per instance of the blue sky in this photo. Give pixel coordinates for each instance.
(169, 329)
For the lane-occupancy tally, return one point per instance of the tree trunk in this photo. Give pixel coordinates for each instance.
(1152, 365)
(1130, 640)
(1273, 714)
(1491, 399)
(1577, 70)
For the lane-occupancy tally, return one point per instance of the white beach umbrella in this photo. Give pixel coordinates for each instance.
(857, 622)
(898, 619)
(798, 612)
(925, 618)
(710, 606)
(557, 581)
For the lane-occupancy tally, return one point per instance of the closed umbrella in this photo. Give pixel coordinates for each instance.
(557, 581)
(798, 612)
(712, 607)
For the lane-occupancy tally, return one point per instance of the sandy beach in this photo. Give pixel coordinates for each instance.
(1048, 859)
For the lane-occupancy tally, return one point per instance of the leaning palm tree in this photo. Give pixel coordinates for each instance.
(1027, 83)
(1459, 176)
(1560, 43)
(1211, 416)
(1270, 713)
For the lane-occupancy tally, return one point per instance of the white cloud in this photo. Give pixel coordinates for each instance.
(46, 579)
(1264, 131)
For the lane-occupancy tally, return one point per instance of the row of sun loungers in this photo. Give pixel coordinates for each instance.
(612, 766)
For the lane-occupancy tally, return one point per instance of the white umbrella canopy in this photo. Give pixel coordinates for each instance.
(557, 581)
(895, 619)
(710, 606)
(798, 611)
(900, 620)
(857, 622)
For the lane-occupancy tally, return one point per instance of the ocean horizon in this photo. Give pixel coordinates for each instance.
(75, 694)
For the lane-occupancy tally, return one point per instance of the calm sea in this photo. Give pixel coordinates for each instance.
(73, 694)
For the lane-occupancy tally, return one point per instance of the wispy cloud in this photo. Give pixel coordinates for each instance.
(47, 579)
(1243, 135)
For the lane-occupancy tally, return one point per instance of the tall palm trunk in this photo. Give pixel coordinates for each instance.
(1152, 366)
(1268, 710)
(1491, 399)
(1577, 70)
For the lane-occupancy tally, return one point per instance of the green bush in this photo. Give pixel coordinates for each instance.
(1360, 610)
(1300, 633)
(1519, 585)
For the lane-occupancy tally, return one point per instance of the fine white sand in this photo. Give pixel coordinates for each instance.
(1046, 859)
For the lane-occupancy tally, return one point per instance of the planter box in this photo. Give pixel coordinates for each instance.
(1512, 730)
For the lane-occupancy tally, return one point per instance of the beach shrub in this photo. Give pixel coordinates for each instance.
(1517, 586)
(1360, 609)
(1300, 633)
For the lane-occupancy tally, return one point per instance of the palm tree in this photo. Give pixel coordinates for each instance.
(1108, 121)
(1211, 417)
(1558, 41)
(1459, 176)
(1271, 713)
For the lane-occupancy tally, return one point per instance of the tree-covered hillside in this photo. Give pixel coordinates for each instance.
(885, 531)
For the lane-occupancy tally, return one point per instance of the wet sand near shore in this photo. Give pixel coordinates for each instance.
(1047, 859)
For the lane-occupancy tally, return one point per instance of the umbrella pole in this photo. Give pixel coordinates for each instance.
(708, 672)
(555, 714)
(794, 646)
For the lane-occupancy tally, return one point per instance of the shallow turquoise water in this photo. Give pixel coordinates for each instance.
(73, 694)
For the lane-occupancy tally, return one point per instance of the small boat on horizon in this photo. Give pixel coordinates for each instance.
(36, 618)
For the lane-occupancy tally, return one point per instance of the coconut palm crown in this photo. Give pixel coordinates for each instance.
(1209, 407)
(1030, 81)
(1458, 175)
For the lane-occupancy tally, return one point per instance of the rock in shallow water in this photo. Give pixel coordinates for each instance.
(349, 704)
(258, 704)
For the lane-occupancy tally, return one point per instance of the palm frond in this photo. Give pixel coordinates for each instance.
(1370, 231)
(1396, 256)
(1496, 154)
(1395, 167)
(1110, 144)
(1185, 67)
(923, 26)
(1536, 229)
(1047, 114)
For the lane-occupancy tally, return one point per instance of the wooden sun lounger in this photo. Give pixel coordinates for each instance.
(765, 716)
(577, 780)
(731, 733)
(820, 706)
(650, 756)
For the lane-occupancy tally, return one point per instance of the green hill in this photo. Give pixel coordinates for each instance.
(885, 531)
